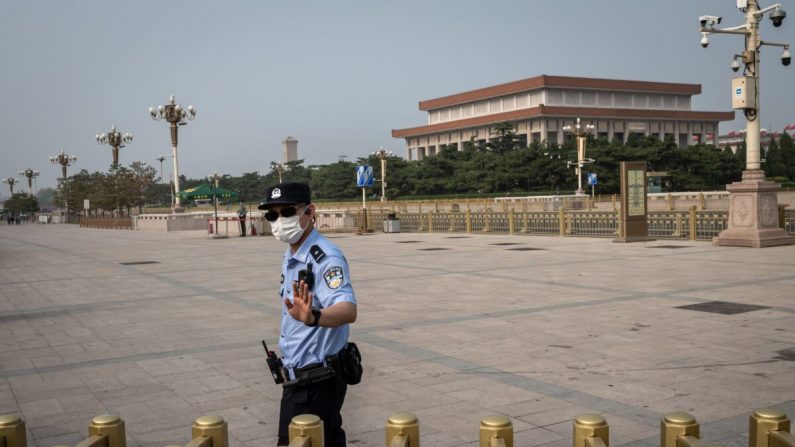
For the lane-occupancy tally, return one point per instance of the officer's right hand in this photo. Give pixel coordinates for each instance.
(301, 306)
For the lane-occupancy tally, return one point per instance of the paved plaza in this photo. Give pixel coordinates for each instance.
(452, 328)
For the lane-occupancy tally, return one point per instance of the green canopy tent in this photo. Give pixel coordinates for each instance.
(205, 191)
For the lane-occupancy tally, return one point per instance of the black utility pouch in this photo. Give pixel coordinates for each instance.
(351, 362)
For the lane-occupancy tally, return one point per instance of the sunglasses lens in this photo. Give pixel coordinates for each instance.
(288, 211)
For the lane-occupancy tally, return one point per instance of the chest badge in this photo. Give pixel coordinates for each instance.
(334, 277)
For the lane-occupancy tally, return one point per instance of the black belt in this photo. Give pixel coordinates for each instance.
(314, 373)
(305, 369)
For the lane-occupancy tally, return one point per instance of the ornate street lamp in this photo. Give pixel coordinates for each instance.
(116, 140)
(383, 154)
(176, 116)
(753, 202)
(64, 160)
(30, 174)
(11, 182)
(581, 133)
(279, 168)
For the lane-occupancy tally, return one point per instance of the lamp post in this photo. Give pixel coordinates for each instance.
(382, 155)
(581, 133)
(279, 168)
(176, 116)
(30, 174)
(116, 140)
(64, 160)
(11, 182)
(753, 202)
(214, 178)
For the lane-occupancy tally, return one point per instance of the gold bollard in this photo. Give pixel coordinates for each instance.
(678, 429)
(770, 427)
(209, 431)
(12, 431)
(105, 430)
(306, 430)
(496, 431)
(402, 430)
(591, 430)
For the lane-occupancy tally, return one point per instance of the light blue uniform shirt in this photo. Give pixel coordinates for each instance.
(300, 344)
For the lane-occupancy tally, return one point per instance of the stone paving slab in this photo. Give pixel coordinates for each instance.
(579, 326)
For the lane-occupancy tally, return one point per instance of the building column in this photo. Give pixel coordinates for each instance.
(543, 131)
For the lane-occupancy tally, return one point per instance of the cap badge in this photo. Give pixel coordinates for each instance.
(276, 193)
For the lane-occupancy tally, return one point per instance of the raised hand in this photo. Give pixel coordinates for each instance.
(301, 306)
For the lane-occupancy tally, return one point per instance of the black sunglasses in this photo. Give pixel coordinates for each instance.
(287, 211)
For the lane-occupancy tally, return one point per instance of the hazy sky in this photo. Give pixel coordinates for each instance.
(336, 75)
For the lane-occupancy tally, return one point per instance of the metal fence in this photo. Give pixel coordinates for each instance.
(692, 224)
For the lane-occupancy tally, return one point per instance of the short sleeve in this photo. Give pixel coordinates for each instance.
(333, 283)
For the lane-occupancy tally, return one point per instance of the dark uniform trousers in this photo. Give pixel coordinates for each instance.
(323, 399)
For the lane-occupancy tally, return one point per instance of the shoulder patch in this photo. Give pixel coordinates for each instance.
(317, 253)
(334, 277)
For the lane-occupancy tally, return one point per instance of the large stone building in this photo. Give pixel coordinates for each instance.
(539, 107)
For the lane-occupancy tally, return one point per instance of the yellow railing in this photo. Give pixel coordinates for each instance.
(691, 224)
(123, 223)
(768, 427)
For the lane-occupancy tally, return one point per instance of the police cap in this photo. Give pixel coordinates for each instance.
(287, 193)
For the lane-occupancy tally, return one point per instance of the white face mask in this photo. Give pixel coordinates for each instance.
(288, 229)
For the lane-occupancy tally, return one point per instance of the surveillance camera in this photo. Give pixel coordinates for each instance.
(786, 58)
(704, 41)
(777, 16)
(709, 20)
(735, 65)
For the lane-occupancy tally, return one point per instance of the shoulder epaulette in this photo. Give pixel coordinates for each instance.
(317, 253)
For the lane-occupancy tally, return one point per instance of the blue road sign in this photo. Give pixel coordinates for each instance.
(364, 176)
(592, 178)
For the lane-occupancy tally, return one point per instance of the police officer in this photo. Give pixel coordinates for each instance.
(315, 318)
(241, 214)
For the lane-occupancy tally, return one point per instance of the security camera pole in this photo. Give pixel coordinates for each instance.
(176, 116)
(753, 202)
(382, 155)
(581, 132)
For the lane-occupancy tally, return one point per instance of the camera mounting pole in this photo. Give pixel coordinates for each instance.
(753, 202)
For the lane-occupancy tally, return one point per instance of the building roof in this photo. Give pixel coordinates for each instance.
(552, 111)
(559, 82)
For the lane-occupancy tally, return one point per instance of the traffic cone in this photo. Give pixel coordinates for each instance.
(253, 229)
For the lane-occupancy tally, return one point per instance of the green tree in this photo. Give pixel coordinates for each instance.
(22, 202)
(139, 184)
(503, 138)
(774, 164)
(788, 153)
